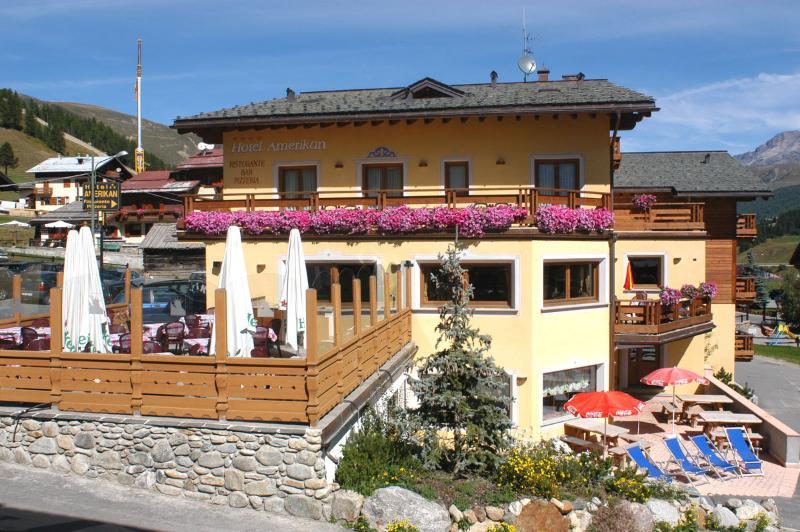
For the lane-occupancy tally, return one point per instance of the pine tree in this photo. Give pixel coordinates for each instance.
(32, 127)
(7, 157)
(55, 139)
(460, 389)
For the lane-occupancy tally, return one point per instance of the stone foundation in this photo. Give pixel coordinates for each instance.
(255, 466)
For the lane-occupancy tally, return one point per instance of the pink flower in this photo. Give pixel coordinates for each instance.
(644, 202)
(708, 289)
(670, 296)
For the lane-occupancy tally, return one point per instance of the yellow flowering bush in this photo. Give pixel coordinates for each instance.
(401, 526)
(502, 527)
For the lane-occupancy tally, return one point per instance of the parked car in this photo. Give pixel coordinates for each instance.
(163, 301)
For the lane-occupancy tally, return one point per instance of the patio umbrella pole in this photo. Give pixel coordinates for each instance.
(673, 409)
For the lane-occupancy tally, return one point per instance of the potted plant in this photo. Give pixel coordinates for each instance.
(689, 291)
(708, 290)
(644, 202)
(670, 297)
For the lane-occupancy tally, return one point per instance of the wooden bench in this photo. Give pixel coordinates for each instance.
(581, 444)
(692, 412)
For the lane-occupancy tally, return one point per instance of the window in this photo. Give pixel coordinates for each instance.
(559, 386)
(134, 229)
(387, 177)
(570, 283)
(646, 272)
(492, 285)
(322, 274)
(456, 177)
(293, 180)
(556, 174)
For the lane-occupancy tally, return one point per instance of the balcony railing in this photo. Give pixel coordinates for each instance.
(745, 288)
(679, 216)
(162, 211)
(746, 226)
(743, 349)
(530, 198)
(641, 318)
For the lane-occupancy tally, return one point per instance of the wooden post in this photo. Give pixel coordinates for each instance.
(128, 285)
(334, 273)
(373, 300)
(336, 299)
(221, 347)
(408, 288)
(387, 302)
(136, 350)
(60, 279)
(55, 347)
(16, 288)
(312, 370)
(357, 325)
(399, 290)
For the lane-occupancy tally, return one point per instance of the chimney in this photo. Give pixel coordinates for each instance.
(707, 158)
(493, 77)
(544, 73)
(289, 95)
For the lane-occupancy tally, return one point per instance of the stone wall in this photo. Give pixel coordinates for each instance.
(241, 466)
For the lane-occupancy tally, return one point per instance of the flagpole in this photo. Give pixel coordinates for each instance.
(139, 155)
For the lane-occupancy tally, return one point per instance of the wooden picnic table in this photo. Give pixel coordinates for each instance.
(587, 426)
(716, 401)
(713, 419)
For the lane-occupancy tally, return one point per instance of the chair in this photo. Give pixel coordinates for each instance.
(28, 335)
(198, 332)
(124, 344)
(275, 326)
(8, 343)
(712, 456)
(192, 321)
(643, 461)
(197, 349)
(40, 344)
(150, 347)
(259, 352)
(173, 337)
(41, 322)
(742, 446)
(687, 464)
(118, 328)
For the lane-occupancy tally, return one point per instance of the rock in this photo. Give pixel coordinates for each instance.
(581, 520)
(211, 460)
(315, 483)
(302, 506)
(43, 446)
(61, 464)
(41, 461)
(769, 505)
(146, 480)
(643, 520)
(273, 504)
(262, 488)
(299, 472)
(749, 510)
(31, 425)
(245, 463)
(234, 480)
(269, 457)
(724, 517)
(663, 512)
(494, 513)
(563, 507)
(177, 439)
(393, 502)
(107, 460)
(455, 514)
(480, 513)
(6, 455)
(141, 458)
(237, 499)
(65, 442)
(515, 507)
(182, 450)
(80, 464)
(470, 516)
(346, 505)
(705, 503)
(733, 503)
(541, 515)
(50, 429)
(84, 440)
(509, 518)
(298, 444)
(162, 452)
(166, 489)
(21, 456)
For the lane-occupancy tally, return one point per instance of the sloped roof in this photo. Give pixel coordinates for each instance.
(156, 181)
(203, 159)
(165, 236)
(77, 164)
(5, 181)
(71, 212)
(688, 173)
(575, 93)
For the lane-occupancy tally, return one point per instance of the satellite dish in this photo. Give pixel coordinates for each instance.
(526, 64)
(202, 146)
(210, 146)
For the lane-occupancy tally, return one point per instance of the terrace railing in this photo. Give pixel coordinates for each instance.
(530, 198)
(746, 226)
(745, 288)
(652, 317)
(743, 346)
(298, 390)
(678, 216)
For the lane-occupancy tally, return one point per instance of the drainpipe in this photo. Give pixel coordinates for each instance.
(612, 242)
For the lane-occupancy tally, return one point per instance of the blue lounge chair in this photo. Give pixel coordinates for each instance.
(685, 462)
(743, 447)
(713, 457)
(640, 458)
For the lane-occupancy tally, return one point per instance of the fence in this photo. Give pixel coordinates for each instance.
(652, 317)
(679, 216)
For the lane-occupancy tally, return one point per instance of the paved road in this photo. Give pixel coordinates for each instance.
(31, 499)
(777, 384)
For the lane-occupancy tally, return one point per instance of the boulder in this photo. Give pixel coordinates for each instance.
(43, 446)
(84, 440)
(564, 507)
(455, 514)
(541, 515)
(663, 511)
(80, 464)
(581, 520)
(302, 506)
(393, 502)
(515, 507)
(733, 503)
(162, 451)
(494, 513)
(749, 510)
(470, 516)
(346, 505)
(480, 513)
(724, 517)
(642, 519)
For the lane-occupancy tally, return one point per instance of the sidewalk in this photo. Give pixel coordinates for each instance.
(38, 500)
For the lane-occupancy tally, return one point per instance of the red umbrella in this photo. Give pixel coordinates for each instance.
(602, 405)
(672, 376)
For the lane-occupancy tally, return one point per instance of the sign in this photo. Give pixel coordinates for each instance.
(106, 197)
(298, 145)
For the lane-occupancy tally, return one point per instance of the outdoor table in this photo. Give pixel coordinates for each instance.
(16, 332)
(716, 401)
(586, 426)
(202, 342)
(713, 419)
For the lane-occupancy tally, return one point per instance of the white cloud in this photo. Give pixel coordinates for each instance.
(735, 114)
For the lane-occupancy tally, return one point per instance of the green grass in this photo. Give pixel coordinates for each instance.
(774, 251)
(782, 352)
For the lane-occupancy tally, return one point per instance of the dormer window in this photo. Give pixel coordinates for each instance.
(427, 88)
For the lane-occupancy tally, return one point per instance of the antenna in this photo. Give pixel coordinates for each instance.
(526, 63)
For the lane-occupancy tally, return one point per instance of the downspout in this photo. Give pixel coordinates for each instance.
(612, 242)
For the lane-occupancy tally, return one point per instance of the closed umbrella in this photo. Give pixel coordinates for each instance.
(73, 291)
(672, 376)
(240, 316)
(293, 291)
(603, 404)
(95, 327)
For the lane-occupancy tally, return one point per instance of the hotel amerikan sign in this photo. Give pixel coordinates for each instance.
(299, 145)
(106, 197)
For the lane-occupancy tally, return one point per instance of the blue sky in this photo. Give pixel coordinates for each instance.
(725, 73)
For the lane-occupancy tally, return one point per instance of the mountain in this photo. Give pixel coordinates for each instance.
(777, 161)
(157, 138)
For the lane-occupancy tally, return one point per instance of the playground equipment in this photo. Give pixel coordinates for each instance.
(780, 332)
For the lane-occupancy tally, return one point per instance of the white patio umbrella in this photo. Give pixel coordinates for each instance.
(293, 290)
(233, 278)
(59, 224)
(74, 289)
(16, 223)
(95, 323)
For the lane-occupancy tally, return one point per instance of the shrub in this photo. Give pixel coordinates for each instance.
(401, 526)
(727, 378)
(502, 527)
(628, 484)
(376, 456)
(615, 517)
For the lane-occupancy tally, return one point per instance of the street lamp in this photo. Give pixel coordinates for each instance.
(123, 153)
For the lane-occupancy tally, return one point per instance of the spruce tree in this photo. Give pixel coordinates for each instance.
(460, 389)
(32, 127)
(7, 157)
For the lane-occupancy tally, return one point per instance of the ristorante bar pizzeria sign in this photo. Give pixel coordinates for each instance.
(298, 145)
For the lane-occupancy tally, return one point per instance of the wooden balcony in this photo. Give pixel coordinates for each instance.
(527, 197)
(746, 226)
(287, 390)
(743, 347)
(640, 322)
(678, 216)
(168, 212)
(745, 288)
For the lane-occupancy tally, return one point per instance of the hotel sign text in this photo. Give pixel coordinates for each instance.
(258, 147)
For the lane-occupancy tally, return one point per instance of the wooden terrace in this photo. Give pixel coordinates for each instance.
(640, 322)
(662, 216)
(745, 288)
(743, 346)
(746, 226)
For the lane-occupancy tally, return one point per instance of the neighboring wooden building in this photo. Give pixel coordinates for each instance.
(167, 258)
(204, 166)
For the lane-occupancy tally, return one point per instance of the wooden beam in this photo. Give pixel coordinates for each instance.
(56, 320)
(359, 123)
(323, 125)
(336, 301)
(312, 369)
(387, 297)
(127, 285)
(408, 288)
(574, 116)
(410, 121)
(60, 279)
(136, 351)
(445, 120)
(376, 122)
(221, 352)
(428, 120)
(555, 116)
(16, 289)
(342, 124)
(309, 126)
(394, 122)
